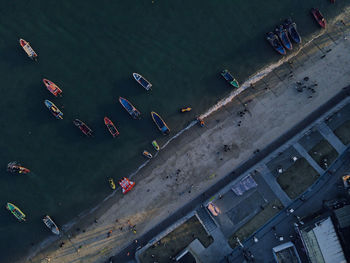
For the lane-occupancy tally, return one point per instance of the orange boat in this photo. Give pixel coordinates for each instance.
(52, 87)
(28, 49)
(15, 167)
(318, 17)
(111, 127)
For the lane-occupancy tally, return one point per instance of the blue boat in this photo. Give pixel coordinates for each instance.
(282, 34)
(292, 30)
(142, 81)
(160, 123)
(130, 108)
(275, 43)
(54, 110)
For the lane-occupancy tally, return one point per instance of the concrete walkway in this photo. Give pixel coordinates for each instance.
(308, 158)
(329, 135)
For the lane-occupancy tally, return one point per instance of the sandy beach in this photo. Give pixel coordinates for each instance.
(194, 161)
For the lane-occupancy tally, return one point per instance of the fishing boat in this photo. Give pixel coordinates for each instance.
(282, 34)
(51, 225)
(16, 212)
(83, 127)
(129, 108)
(54, 110)
(142, 81)
(52, 87)
(275, 43)
(160, 123)
(318, 17)
(147, 154)
(186, 109)
(28, 49)
(229, 78)
(291, 27)
(111, 183)
(16, 167)
(155, 145)
(111, 127)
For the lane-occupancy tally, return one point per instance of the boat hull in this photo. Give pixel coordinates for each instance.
(142, 81)
(51, 225)
(54, 110)
(28, 49)
(275, 43)
(160, 123)
(83, 127)
(318, 17)
(111, 127)
(291, 27)
(16, 212)
(52, 87)
(129, 108)
(283, 37)
(229, 78)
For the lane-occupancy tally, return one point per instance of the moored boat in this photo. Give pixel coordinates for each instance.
(15, 167)
(28, 49)
(54, 110)
(155, 145)
(292, 30)
(229, 78)
(111, 127)
(83, 127)
(147, 154)
(186, 109)
(275, 43)
(160, 123)
(282, 34)
(52, 87)
(142, 81)
(16, 212)
(318, 17)
(111, 183)
(129, 108)
(51, 225)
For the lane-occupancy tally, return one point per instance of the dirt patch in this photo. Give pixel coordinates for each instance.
(343, 132)
(323, 153)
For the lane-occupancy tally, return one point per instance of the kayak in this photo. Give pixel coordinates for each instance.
(51, 225)
(16, 212)
(83, 127)
(129, 108)
(53, 109)
(15, 167)
(147, 154)
(318, 17)
(142, 81)
(155, 145)
(28, 49)
(52, 87)
(229, 78)
(187, 109)
(282, 34)
(111, 183)
(275, 43)
(111, 127)
(292, 30)
(160, 123)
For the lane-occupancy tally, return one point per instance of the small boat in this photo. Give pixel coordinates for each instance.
(83, 127)
(160, 123)
(126, 185)
(147, 154)
(52, 87)
(155, 145)
(15, 167)
(186, 109)
(111, 127)
(201, 122)
(318, 17)
(142, 81)
(292, 30)
(28, 49)
(282, 33)
(229, 78)
(53, 109)
(16, 212)
(111, 183)
(129, 108)
(51, 225)
(275, 43)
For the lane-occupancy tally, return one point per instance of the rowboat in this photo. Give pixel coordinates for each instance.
(111, 183)
(142, 81)
(292, 30)
(318, 17)
(53, 109)
(282, 34)
(186, 109)
(160, 123)
(275, 43)
(147, 154)
(129, 108)
(15, 167)
(16, 212)
(111, 127)
(52, 87)
(155, 145)
(51, 225)
(28, 49)
(83, 127)
(229, 78)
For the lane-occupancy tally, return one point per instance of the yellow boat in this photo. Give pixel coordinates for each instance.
(111, 183)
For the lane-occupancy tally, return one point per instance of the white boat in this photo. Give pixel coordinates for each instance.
(28, 49)
(142, 81)
(51, 225)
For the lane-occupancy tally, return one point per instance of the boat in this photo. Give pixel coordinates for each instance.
(201, 122)
(318, 17)
(129, 108)
(54, 110)
(16, 167)
(111, 127)
(16, 212)
(111, 183)
(83, 127)
(186, 109)
(282, 34)
(52, 87)
(147, 154)
(28, 49)
(292, 30)
(160, 123)
(142, 81)
(155, 145)
(275, 43)
(229, 78)
(51, 225)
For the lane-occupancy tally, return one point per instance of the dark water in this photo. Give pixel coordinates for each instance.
(90, 49)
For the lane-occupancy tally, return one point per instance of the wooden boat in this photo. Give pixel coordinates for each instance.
(16, 212)
(52, 87)
(291, 27)
(229, 78)
(275, 43)
(318, 17)
(142, 81)
(186, 109)
(111, 183)
(54, 110)
(129, 108)
(15, 167)
(160, 123)
(28, 49)
(51, 225)
(83, 127)
(282, 34)
(147, 154)
(111, 127)
(155, 145)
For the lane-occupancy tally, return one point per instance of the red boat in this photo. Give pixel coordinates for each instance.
(52, 87)
(28, 49)
(83, 127)
(15, 167)
(318, 17)
(111, 127)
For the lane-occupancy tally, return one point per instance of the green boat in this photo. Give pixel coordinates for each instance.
(229, 78)
(155, 145)
(16, 212)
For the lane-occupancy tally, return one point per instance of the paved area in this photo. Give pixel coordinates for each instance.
(331, 137)
(309, 159)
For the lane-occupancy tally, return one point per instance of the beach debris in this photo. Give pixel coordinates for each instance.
(126, 185)
(200, 121)
(16, 167)
(109, 233)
